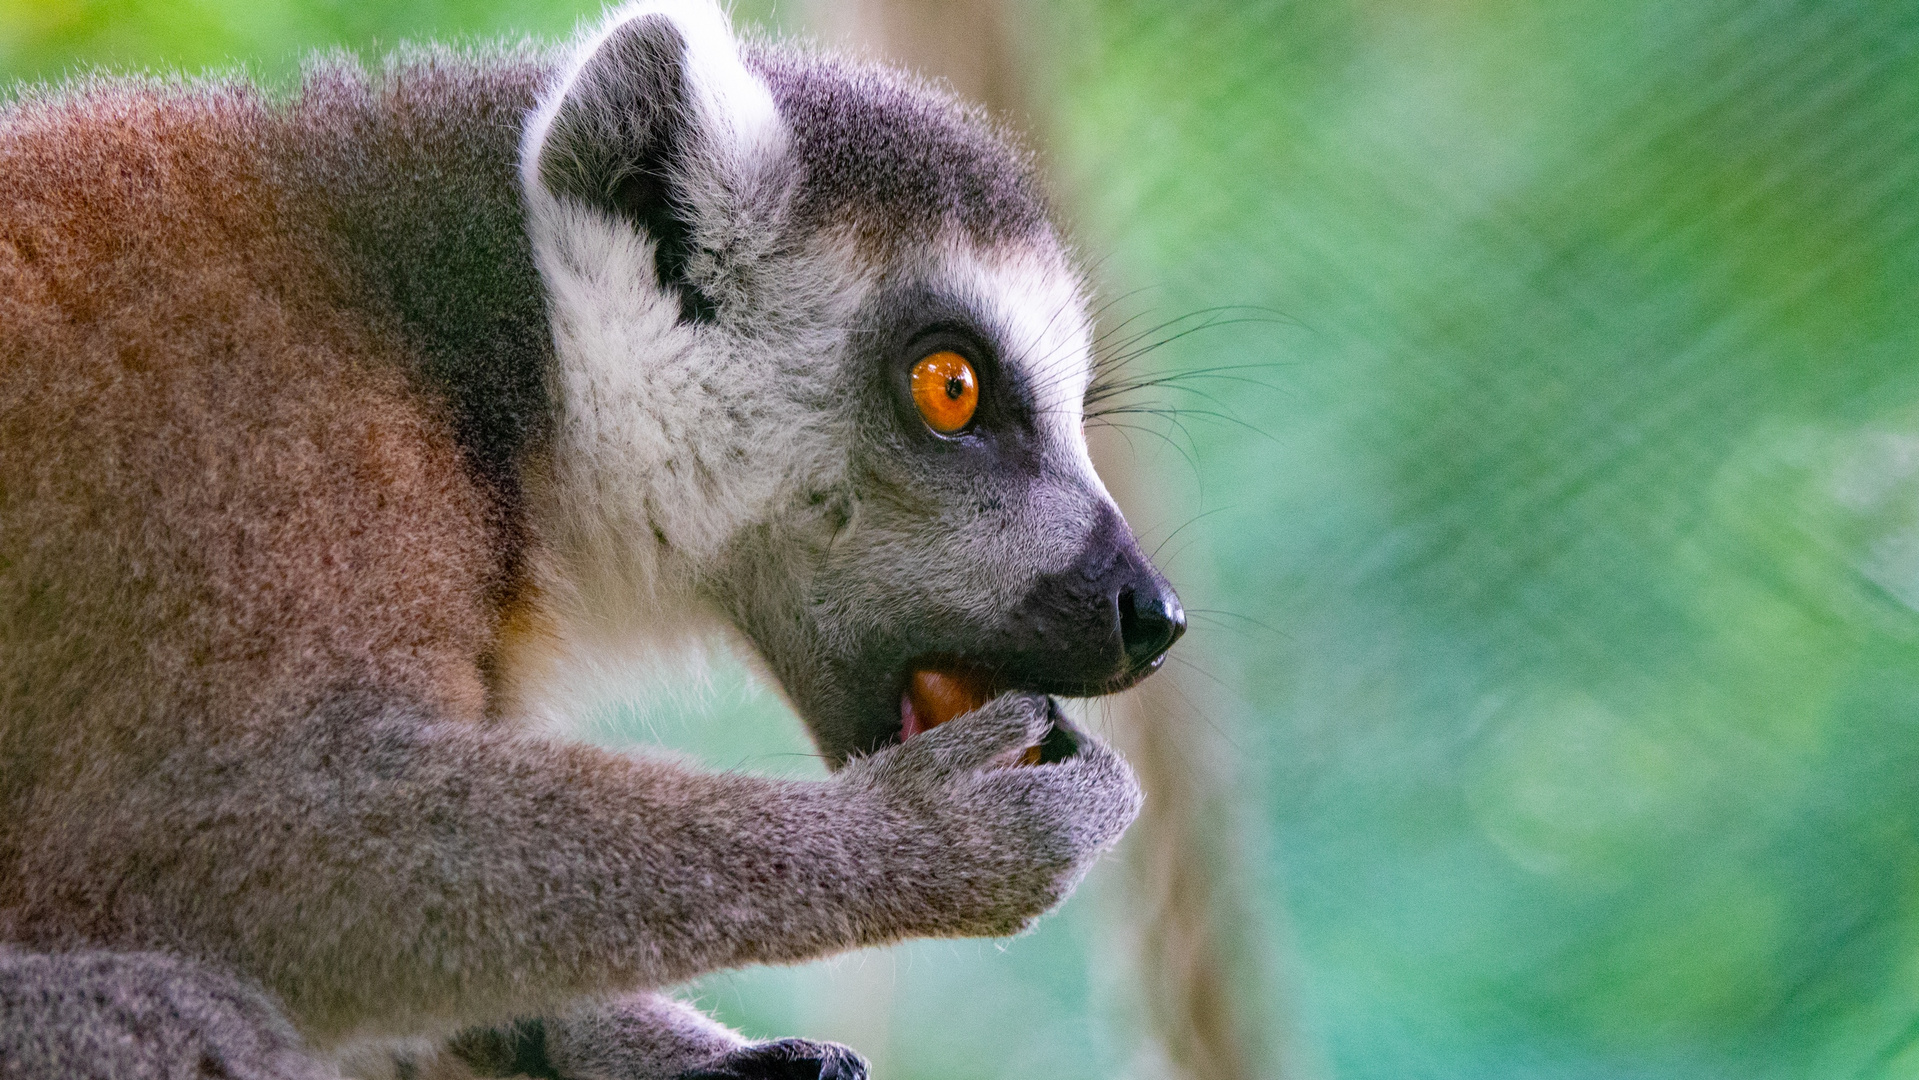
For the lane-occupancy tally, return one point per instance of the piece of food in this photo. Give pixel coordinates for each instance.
(935, 695)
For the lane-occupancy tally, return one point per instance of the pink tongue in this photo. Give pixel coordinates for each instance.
(910, 722)
(933, 697)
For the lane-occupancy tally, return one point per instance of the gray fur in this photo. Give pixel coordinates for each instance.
(636, 1035)
(140, 1016)
(641, 1035)
(446, 261)
(894, 156)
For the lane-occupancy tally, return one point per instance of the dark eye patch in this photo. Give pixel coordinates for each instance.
(903, 325)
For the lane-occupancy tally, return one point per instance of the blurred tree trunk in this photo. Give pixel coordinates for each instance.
(965, 42)
(1179, 890)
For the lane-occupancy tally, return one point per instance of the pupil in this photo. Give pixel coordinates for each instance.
(955, 387)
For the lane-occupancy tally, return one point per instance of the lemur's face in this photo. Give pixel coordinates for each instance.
(971, 535)
(821, 361)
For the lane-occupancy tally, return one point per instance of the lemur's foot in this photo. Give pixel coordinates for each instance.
(786, 1059)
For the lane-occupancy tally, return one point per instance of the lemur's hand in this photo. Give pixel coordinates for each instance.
(986, 843)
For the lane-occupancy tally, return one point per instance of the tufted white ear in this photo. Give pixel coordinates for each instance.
(658, 78)
(652, 152)
(657, 124)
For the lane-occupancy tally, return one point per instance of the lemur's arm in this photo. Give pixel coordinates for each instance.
(637, 1037)
(381, 871)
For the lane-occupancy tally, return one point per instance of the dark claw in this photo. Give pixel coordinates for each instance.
(1059, 743)
(787, 1059)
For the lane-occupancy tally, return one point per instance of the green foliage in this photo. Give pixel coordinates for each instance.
(48, 40)
(1587, 514)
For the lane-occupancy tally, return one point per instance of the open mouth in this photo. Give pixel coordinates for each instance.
(935, 693)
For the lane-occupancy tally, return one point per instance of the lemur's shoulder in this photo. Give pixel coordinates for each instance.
(110, 186)
(233, 463)
(388, 194)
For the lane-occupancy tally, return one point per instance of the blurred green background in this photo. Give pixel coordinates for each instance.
(1554, 691)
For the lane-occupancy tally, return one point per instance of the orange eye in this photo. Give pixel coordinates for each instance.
(946, 390)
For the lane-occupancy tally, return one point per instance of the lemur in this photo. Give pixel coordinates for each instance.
(341, 431)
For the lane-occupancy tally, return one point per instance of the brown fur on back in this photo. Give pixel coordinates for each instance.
(222, 496)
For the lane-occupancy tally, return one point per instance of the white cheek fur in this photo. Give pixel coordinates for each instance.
(654, 463)
(671, 440)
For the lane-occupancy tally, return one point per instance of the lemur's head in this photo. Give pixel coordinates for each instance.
(821, 365)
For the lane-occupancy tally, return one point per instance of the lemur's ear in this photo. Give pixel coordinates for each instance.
(659, 122)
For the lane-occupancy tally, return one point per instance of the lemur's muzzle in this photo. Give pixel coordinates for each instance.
(1100, 625)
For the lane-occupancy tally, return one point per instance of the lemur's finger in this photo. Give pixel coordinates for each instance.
(1001, 728)
(1081, 805)
(1106, 791)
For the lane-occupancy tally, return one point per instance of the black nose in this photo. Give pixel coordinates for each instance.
(1150, 620)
